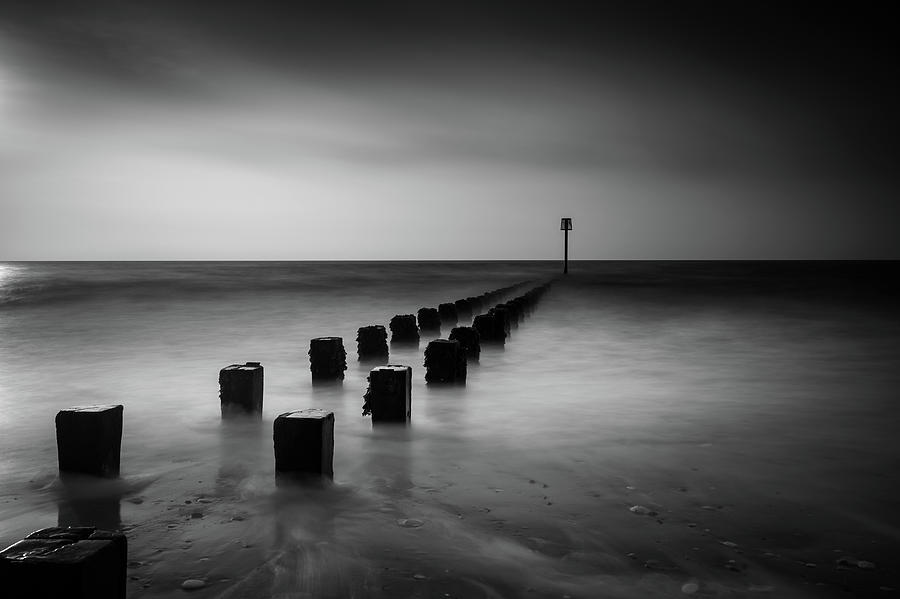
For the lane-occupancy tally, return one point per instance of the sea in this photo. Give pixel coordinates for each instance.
(650, 429)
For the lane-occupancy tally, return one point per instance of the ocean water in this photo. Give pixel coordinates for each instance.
(653, 429)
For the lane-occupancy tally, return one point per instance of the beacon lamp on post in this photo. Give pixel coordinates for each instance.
(566, 225)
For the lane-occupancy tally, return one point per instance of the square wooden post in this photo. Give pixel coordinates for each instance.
(89, 440)
(241, 389)
(70, 563)
(304, 443)
(445, 362)
(389, 397)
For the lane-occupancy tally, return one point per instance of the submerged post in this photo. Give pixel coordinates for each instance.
(448, 314)
(371, 342)
(389, 397)
(566, 225)
(469, 341)
(445, 362)
(304, 443)
(89, 440)
(241, 389)
(327, 358)
(404, 329)
(490, 330)
(429, 319)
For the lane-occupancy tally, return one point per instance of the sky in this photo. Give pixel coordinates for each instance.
(425, 130)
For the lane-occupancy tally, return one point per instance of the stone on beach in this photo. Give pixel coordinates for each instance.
(641, 510)
(689, 588)
(192, 584)
(89, 440)
(410, 523)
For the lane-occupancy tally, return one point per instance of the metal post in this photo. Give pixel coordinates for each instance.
(565, 225)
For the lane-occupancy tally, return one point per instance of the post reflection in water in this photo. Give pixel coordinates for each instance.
(89, 501)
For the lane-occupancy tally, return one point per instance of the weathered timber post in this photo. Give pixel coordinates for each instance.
(448, 314)
(489, 331)
(429, 319)
(404, 329)
(327, 358)
(70, 563)
(371, 342)
(463, 309)
(502, 317)
(516, 308)
(445, 362)
(389, 396)
(241, 390)
(89, 440)
(469, 341)
(304, 443)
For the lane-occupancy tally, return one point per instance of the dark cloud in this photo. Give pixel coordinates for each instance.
(834, 68)
(732, 99)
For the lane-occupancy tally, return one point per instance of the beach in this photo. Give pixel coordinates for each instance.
(652, 429)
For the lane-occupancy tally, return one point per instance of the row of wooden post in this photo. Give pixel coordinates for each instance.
(89, 438)
(82, 562)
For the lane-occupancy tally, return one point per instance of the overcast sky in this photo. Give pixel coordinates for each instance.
(439, 130)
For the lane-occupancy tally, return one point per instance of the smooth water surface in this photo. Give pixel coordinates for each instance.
(651, 430)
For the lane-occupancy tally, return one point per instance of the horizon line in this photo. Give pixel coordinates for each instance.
(75, 261)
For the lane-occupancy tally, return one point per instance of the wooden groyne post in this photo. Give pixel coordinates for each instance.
(327, 358)
(71, 563)
(404, 329)
(89, 440)
(304, 444)
(389, 396)
(429, 319)
(448, 314)
(445, 362)
(241, 390)
(489, 330)
(469, 340)
(371, 342)
(463, 309)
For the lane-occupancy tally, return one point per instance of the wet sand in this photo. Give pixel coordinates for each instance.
(653, 521)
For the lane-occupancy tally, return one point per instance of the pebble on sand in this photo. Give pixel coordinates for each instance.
(641, 510)
(192, 584)
(690, 588)
(409, 523)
